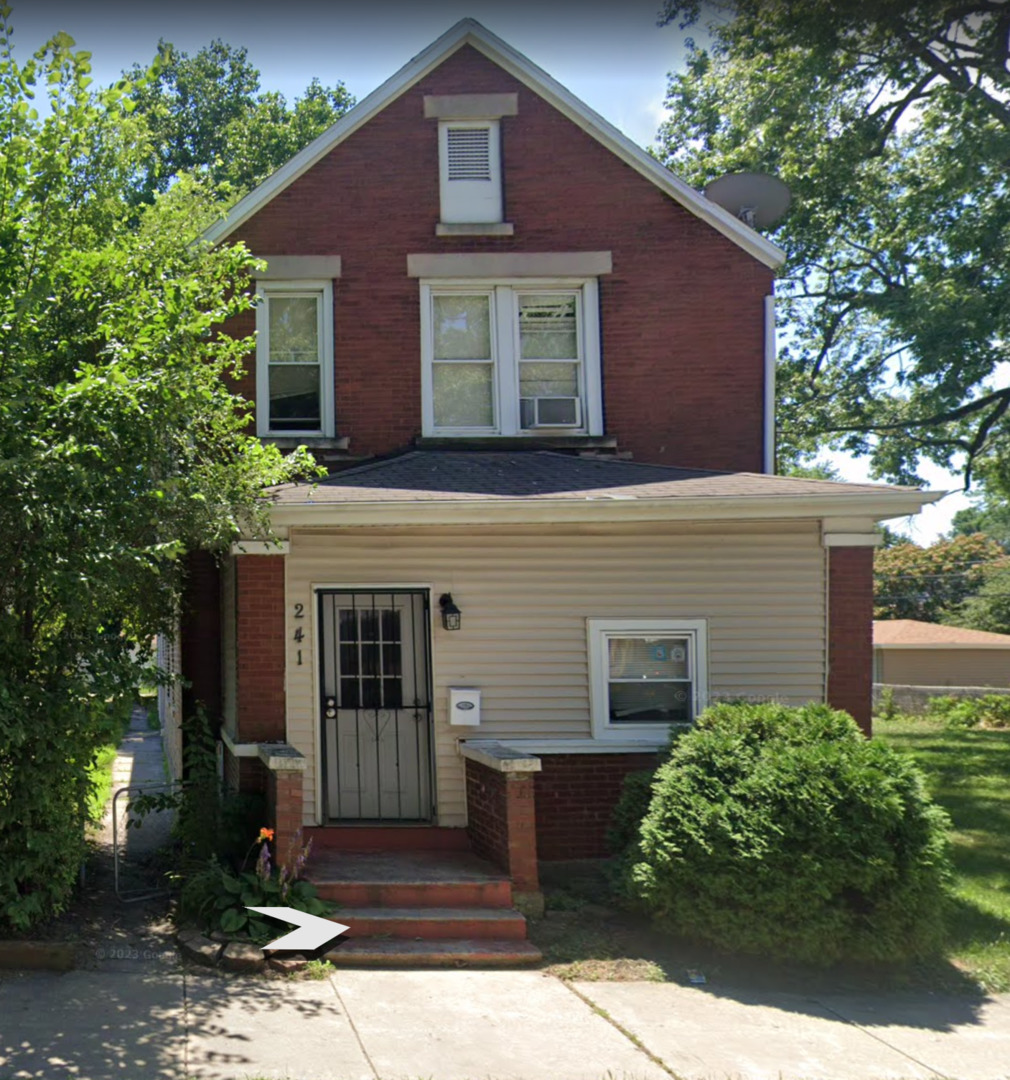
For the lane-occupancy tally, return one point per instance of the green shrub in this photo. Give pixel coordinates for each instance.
(632, 806)
(887, 707)
(988, 711)
(785, 832)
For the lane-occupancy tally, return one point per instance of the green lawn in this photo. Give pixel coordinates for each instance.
(969, 775)
(100, 772)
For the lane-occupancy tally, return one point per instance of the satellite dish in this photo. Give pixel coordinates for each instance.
(757, 199)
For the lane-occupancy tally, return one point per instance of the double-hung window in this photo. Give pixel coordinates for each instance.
(516, 358)
(645, 675)
(294, 358)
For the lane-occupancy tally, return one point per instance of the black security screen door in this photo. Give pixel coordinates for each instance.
(375, 705)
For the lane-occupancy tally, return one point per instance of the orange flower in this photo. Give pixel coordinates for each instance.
(266, 834)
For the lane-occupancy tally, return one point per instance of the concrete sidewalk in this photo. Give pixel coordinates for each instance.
(150, 1023)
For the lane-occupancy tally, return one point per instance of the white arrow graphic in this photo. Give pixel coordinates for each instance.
(312, 933)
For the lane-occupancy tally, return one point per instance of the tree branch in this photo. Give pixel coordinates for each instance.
(968, 409)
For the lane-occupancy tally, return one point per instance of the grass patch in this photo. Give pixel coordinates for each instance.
(100, 772)
(967, 771)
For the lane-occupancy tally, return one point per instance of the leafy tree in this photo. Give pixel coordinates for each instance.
(911, 582)
(207, 112)
(812, 470)
(890, 122)
(989, 607)
(120, 445)
(990, 515)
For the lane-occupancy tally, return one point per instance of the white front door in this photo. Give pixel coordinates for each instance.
(375, 705)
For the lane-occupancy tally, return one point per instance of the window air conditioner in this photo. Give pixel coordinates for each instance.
(550, 412)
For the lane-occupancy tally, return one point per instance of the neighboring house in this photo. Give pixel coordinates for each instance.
(541, 369)
(911, 653)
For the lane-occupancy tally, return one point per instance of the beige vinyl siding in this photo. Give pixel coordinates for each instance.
(943, 667)
(525, 595)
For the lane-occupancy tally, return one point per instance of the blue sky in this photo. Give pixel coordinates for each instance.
(612, 55)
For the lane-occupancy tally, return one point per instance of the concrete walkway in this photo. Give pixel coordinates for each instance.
(150, 1022)
(139, 764)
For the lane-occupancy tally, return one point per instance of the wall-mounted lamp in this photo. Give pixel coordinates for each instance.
(452, 617)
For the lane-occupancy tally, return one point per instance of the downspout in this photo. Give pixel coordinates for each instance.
(769, 386)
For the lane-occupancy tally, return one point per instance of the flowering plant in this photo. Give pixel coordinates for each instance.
(226, 896)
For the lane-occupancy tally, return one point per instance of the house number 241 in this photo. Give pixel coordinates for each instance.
(299, 634)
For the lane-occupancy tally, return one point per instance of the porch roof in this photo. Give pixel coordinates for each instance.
(544, 478)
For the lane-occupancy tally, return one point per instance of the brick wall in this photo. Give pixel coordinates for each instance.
(501, 822)
(284, 811)
(575, 797)
(681, 315)
(200, 635)
(260, 698)
(850, 632)
(245, 774)
(486, 813)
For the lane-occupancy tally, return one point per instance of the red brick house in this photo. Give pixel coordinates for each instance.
(540, 368)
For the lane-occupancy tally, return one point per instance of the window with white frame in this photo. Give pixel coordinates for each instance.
(516, 358)
(294, 358)
(645, 675)
(470, 171)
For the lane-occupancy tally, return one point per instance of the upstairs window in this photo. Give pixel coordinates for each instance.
(511, 359)
(470, 171)
(294, 359)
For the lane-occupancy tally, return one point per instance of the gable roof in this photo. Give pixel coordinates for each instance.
(544, 486)
(470, 32)
(912, 634)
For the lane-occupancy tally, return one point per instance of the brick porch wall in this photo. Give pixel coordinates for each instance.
(284, 810)
(575, 798)
(244, 773)
(501, 822)
(260, 696)
(850, 632)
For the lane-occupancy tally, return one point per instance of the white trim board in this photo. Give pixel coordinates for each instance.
(470, 32)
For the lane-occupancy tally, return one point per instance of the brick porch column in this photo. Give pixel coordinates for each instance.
(259, 643)
(501, 815)
(285, 771)
(850, 631)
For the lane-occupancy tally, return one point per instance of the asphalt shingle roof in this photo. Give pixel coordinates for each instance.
(449, 475)
(914, 632)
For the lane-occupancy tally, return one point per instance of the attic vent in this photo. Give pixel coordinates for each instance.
(469, 153)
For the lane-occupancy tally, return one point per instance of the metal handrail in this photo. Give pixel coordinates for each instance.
(128, 897)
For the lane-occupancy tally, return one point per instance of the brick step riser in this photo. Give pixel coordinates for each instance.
(394, 838)
(492, 894)
(435, 929)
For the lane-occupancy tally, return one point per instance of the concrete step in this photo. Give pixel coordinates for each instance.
(434, 923)
(395, 952)
(429, 879)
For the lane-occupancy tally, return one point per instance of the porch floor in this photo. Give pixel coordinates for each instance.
(400, 868)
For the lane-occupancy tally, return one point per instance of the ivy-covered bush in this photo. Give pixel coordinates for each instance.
(785, 832)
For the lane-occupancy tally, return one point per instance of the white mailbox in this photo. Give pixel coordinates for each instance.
(464, 706)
